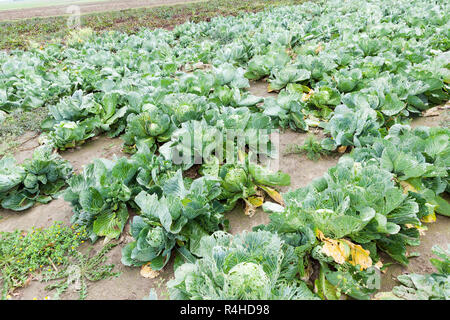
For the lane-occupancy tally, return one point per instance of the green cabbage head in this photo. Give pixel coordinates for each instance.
(234, 179)
(156, 237)
(247, 280)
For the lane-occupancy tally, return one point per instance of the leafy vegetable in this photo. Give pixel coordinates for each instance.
(180, 217)
(255, 265)
(341, 219)
(36, 180)
(243, 180)
(418, 158)
(149, 127)
(99, 196)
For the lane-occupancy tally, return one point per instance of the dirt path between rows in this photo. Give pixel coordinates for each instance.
(89, 7)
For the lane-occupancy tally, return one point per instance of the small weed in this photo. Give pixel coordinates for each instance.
(80, 268)
(311, 147)
(445, 122)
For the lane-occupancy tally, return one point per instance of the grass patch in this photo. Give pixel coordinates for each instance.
(18, 34)
(24, 254)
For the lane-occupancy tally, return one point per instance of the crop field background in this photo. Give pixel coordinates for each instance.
(12, 5)
(14, 10)
(353, 95)
(19, 33)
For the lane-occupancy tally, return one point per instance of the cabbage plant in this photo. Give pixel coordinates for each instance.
(147, 128)
(248, 266)
(100, 196)
(245, 180)
(179, 218)
(37, 179)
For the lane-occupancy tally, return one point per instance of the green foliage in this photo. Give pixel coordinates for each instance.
(311, 147)
(255, 265)
(286, 75)
(152, 170)
(359, 202)
(178, 218)
(148, 127)
(261, 65)
(286, 111)
(351, 281)
(69, 134)
(351, 127)
(419, 159)
(99, 196)
(36, 180)
(359, 78)
(15, 34)
(25, 254)
(330, 74)
(242, 179)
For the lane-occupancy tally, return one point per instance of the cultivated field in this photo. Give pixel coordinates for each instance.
(315, 133)
(33, 9)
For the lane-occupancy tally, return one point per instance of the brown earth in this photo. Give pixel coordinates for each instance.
(97, 147)
(88, 7)
(27, 143)
(131, 285)
(437, 116)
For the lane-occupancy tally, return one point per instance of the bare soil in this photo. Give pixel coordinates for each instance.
(437, 116)
(88, 7)
(97, 147)
(130, 284)
(28, 142)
